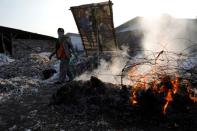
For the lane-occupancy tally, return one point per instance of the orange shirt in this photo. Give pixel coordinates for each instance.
(61, 52)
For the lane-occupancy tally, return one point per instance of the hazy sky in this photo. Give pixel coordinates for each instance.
(45, 16)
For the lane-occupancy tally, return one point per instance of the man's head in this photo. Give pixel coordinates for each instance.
(60, 32)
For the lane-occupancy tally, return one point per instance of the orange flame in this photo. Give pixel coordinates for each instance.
(193, 98)
(168, 99)
(140, 82)
(175, 84)
(134, 98)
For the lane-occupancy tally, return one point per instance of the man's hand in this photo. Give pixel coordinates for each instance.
(50, 57)
(52, 54)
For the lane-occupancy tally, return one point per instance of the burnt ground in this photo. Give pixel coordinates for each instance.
(92, 105)
(29, 111)
(27, 103)
(33, 111)
(109, 103)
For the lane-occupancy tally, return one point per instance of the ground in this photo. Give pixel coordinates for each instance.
(29, 103)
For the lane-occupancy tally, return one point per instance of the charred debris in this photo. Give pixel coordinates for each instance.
(94, 99)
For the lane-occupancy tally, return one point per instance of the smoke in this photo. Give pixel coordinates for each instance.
(163, 38)
(168, 33)
(109, 71)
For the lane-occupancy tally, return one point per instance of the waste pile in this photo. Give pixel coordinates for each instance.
(17, 86)
(30, 66)
(29, 72)
(4, 59)
(94, 99)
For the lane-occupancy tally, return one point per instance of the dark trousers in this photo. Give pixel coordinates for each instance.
(64, 70)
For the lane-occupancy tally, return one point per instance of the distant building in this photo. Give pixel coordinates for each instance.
(131, 25)
(174, 32)
(19, 43)
(130, 34)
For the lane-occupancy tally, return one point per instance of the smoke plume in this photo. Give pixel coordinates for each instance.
(163, 38)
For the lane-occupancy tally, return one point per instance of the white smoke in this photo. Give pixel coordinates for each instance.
(165, 37)
(160, 34)
(108, 71)
(168, 33)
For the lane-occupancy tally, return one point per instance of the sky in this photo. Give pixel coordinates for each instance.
(45, 16)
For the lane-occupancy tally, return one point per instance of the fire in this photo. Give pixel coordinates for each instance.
(175, 84)
(193, 98)
(170, 85)
(168, 99)
(134, 98)
(169, 96)
(160, 77)
(141, 83)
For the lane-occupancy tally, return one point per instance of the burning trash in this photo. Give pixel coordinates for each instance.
(160, 77)
(128, 106)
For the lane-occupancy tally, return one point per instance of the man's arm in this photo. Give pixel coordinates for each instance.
(52, 54)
